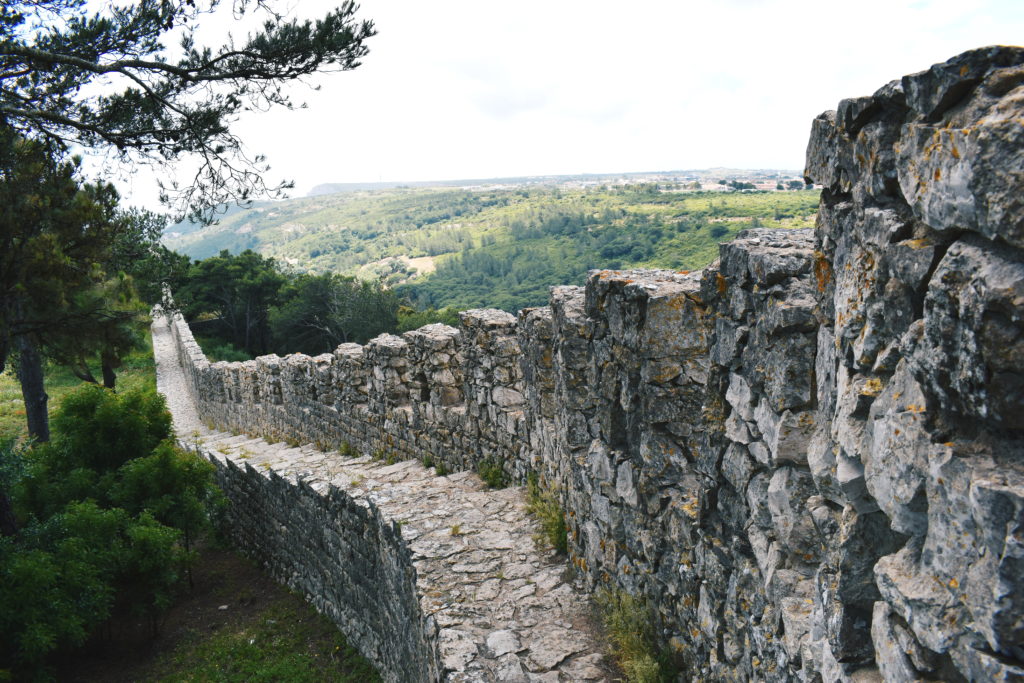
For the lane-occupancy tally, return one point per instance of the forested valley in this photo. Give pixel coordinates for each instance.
(499, 248)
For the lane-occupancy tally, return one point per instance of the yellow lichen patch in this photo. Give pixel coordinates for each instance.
(720, 283)
(953, 583)
(938, 174)
(963, 70)
(956, 152)
(822, 271)
(691, 508)
(914, 408)
(873, 387)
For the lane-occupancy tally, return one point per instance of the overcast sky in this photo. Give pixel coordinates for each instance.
(477, 89)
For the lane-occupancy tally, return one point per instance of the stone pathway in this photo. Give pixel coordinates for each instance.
(504, 609)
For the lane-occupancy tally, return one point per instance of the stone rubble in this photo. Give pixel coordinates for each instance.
(807, 456)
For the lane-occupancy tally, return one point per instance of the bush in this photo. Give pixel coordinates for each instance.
(411, 319)
(218, 350)
(105, 508)
(60, 579)
(542, 503)
(492, 474)
(99, 429)
(630, 624)
(173, 485)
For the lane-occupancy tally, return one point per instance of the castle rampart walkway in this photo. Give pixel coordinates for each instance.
(432, 577)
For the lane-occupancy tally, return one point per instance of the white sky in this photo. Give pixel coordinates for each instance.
(477, 88)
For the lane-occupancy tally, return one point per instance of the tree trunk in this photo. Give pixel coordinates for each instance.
(80, 370)
(8, 524)
(30, 374)
(109, 365)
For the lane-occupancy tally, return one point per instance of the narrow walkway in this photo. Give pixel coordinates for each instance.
(504, 609)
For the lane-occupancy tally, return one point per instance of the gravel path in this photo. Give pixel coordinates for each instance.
(170, 381)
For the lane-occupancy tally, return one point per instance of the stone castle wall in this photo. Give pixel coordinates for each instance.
(343, 555)
(807, 456)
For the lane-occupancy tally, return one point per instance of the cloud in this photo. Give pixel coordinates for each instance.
(462, 88)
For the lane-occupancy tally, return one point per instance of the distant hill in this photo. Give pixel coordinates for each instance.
(561, 180)
(499, 247)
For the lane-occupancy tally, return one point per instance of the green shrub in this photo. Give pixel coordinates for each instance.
(104, 510)
(218, 349)
(630, 625)
(542, 503)
(174, 485)
(101, 430)
(59, 579)
(492, 474)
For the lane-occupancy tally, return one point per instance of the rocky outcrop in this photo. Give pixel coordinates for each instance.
(809, 456)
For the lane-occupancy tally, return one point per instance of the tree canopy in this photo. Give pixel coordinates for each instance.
(101, 76)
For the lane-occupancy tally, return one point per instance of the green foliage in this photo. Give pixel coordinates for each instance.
(282, 645)
(103, 77)
(172, 485)
(542, 503)
(317, 312)
(152, 565)
(492, 474)
(348, 450)
(50, 599)
(630, 624)
(411, 319)
(59, 579)
(217, 350)
(247, 303)
(105, 508)
(100, 429)
(234, 294)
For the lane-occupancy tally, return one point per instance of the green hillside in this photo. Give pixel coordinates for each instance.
(497, 247)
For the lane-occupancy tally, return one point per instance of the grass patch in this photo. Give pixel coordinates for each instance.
(542, 504)
(218, 350)
(266, 633)
(282, 643)
(630, 624)
(137, 371)
(492, 474)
